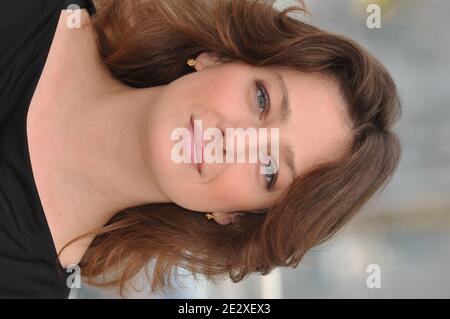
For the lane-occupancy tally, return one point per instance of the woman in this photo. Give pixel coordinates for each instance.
(90, 98)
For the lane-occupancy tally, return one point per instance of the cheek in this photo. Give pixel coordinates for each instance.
(235, 188)
(225, 96)
(228, 189)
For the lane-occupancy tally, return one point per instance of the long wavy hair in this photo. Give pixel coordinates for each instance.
(146, 44)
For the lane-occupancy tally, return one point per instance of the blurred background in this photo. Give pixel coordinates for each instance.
(405, 230)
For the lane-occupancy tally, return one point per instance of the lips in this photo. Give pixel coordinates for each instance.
(196, 145)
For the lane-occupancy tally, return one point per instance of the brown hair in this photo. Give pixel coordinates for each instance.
(147, 43)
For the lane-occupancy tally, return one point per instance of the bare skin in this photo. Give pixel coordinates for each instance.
(98, 146)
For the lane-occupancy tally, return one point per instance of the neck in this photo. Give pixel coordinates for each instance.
(96, 142)
(102, 153)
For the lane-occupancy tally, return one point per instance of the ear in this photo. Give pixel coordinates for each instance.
(206, 60)
(225, 218)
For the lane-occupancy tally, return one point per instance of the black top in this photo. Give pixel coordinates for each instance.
(29, 267)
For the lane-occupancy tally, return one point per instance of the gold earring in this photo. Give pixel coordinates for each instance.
(210, 216)
(192, 62)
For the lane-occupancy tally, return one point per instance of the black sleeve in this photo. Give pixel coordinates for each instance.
(26, 32)
(86, 4)
(28, 267)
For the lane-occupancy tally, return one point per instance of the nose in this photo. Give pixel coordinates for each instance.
(261, 143)
(244, 142)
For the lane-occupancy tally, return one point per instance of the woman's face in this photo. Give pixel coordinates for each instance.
(227, 96)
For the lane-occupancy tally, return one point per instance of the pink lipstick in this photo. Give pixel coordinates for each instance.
(194, 146)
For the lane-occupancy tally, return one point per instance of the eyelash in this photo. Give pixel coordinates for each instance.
(271, 179)
(260, 88)
(262, 92)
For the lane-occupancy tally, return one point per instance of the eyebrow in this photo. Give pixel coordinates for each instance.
(285, 118)
(285, 104)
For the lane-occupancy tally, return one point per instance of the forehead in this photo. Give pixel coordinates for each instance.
(319, 129)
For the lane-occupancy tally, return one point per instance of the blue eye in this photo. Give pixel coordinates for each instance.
(262, 98)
